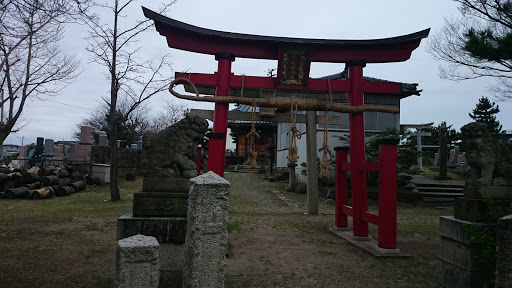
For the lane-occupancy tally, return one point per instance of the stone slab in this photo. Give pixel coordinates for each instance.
(160, 204)
(453, 228)
(496, 192)
(504, 252)
(164, 229)
(476, 210)
(451, 276)
(458, 265)
(170, 233)
(462, 255)
(171, 265)
(165, 184)
(171, 279)
(369, 244)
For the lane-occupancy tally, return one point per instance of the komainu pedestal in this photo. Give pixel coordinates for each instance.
(160, 209)
(487, 192)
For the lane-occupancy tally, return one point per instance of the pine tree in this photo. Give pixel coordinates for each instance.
(485, 113)
(477, 44)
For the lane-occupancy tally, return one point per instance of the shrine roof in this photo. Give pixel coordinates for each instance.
(248, 109)
(187, 37)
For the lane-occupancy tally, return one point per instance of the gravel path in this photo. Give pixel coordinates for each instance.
(274, 244)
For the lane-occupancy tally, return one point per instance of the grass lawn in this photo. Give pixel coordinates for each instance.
(62, 242)
(71, 241)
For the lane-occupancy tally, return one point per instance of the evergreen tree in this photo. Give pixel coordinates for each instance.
(485, 112)
(453, 135)
(477, 44)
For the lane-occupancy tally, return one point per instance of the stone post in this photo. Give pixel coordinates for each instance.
(271, 157)
(83, 148)
(39, 148)
(504, 252)
(23, 152)
(85, 135)
(292, 179)
(102, 139)
(137, 262)
(207, 236)
(59, 152)
(443, 152)
(418, 148)
(23, 156)
(49, 148)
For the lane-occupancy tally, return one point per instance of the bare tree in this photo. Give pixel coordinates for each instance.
(97, 120)
(172, 113)
(477, 44)
(113, 45)
(137, 123)
(32, 65)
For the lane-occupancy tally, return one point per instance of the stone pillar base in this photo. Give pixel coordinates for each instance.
(458, 266)
(170, 233)
(137, 262)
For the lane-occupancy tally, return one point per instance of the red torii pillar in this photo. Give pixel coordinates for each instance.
(357, 153)
(217, 145)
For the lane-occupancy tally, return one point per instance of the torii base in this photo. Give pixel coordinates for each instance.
(368, 244)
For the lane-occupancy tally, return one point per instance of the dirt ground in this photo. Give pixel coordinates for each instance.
(274, 244)
(71, 241)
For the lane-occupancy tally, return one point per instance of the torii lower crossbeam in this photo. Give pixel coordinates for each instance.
(318, 85)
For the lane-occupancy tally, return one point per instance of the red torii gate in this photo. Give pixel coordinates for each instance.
(294, 56)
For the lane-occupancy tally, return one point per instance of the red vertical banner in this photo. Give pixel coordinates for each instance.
(217, 143)
(357, 150)
(387, 193)
(341, 187)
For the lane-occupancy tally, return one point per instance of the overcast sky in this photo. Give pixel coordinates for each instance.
(441, 100)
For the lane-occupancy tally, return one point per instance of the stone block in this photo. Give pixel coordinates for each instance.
(453, 228)
(102, 139)
(170, 233)
(504, 252)
(476, 210)
(85, 135)
(206, 242)
(458, 264)
(496, 192)
(165, 185)
(164, 229)
(171, 265)
(137, 262)
(160, 204)
(452, 276)
(462, 255)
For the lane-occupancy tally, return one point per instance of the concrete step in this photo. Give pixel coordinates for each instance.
(440, 189)
(439, 184)
(437, 202)
(441, 195)
(247, 170)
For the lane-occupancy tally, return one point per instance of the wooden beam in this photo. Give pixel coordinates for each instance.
(338, 88)
(278, 117)
(281, 102)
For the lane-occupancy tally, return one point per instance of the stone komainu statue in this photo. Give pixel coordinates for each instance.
(172, 151)
(490, 160)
